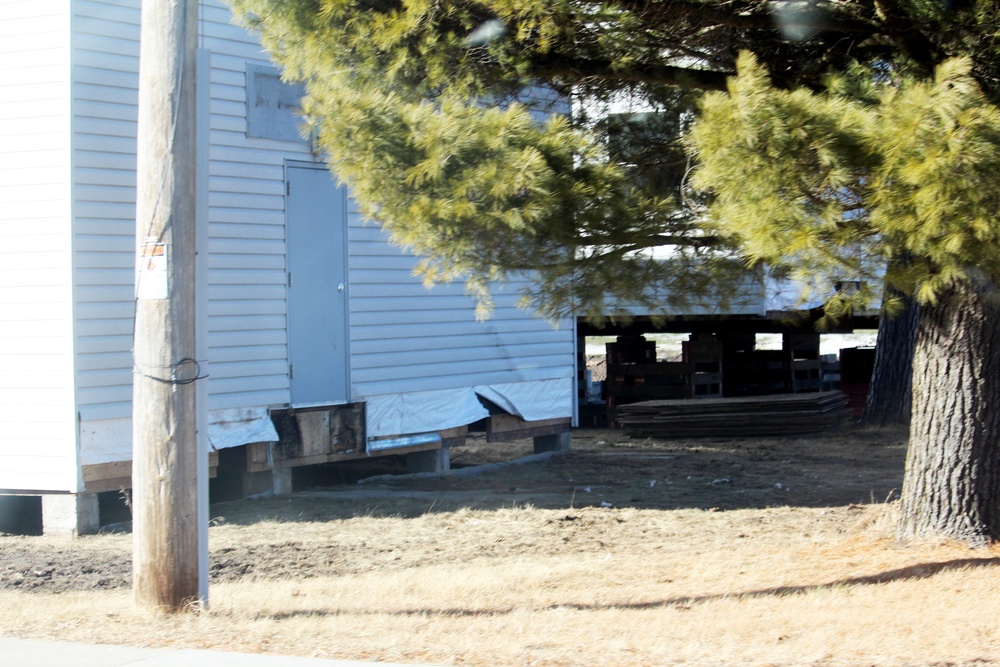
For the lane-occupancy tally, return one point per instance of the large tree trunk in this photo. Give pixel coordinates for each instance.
(891, 389)
(952, 483)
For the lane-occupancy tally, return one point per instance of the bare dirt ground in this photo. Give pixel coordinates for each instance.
(606, 470)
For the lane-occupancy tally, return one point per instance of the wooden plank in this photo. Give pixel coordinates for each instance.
(787, 414)
(102, 471)
(659, 368)
(653, 391)
(105, 485)
(314, 429)
(351, 456)
(504, 428)
(454, 437)
(257, 459)
(777, 400)
(117, 475)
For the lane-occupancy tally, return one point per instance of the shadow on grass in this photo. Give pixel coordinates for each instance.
(851, 465)
(920, 571)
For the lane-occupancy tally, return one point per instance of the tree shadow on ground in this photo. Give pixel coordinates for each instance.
(919, 571)
(838, 469)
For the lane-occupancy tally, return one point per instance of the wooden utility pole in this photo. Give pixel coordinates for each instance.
(164, 436)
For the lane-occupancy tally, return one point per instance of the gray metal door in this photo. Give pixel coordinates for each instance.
(316, 242)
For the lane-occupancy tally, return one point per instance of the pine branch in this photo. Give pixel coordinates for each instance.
(758, 14)
(557, 67)
(907, 35)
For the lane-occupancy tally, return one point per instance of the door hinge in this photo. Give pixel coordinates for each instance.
(291, 371)
(288, 187)
(289, 278)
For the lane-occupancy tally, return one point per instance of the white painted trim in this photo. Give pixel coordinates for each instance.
(202, 98)
(576, 375)
(71, 263)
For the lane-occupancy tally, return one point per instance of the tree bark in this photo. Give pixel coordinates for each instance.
(890, 393)
(951, 487)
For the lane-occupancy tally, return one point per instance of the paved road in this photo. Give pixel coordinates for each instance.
(32, 653)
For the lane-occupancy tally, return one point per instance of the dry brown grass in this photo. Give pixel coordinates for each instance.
(778, 586)
(715, 564)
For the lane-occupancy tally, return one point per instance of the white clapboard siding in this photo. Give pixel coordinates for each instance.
(105, 58)
(247, 341)
(403, 336)
(37, 412)
(407, 338)
(68, 154)
(245, 207)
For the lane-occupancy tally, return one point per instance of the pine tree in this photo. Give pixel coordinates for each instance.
(859, 134)
(903, 173)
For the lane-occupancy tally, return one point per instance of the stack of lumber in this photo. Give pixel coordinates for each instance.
(782, 414)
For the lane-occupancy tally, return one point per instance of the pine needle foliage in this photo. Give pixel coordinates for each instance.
(468, 162)
(449, 120)
(837, 182)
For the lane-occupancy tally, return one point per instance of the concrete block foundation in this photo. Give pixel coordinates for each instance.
(281, 481)
(436, 461)
(274, 482)
(70, 514)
